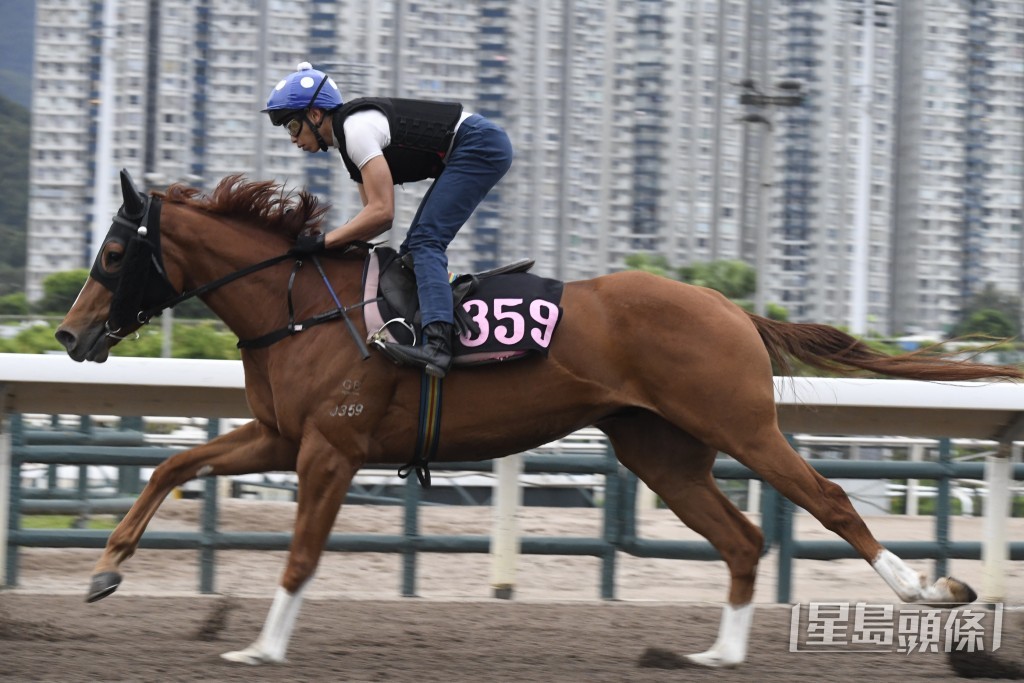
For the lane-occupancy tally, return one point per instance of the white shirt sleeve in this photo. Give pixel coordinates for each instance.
(367, 133)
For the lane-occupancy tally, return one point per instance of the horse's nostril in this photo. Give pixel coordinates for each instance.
(66, 339)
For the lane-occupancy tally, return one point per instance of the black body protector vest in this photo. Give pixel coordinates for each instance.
(421, 134)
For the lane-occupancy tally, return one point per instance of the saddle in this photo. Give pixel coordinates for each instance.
(392, 313)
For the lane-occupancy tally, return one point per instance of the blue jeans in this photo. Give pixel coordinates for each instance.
(481, 155)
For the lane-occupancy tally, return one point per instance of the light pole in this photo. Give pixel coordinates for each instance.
(103, 179)
(753, 97)
(764, 193)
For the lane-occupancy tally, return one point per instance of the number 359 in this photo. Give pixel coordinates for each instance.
(509, 325)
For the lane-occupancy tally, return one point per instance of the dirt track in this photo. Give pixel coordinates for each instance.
(56, 638)
(355, 628)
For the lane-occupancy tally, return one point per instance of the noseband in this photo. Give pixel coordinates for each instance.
(113, 334)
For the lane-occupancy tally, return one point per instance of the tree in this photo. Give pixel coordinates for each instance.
(14, 136)
(776, 312)
(14, 304)
(36, 338)
(988, 322)
(192, 309)
(60, 291)
(649, 263)
(772, 311)
(978, 316)
(204, 341)
(734, 279)
(150, 344)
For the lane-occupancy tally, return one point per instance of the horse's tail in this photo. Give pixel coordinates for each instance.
(827, 348)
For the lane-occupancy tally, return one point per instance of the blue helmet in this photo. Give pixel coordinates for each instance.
(302, 89)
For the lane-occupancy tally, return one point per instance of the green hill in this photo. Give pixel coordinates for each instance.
(17, 34)
(14, 146)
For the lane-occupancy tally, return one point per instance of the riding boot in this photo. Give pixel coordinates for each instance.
(435, 355)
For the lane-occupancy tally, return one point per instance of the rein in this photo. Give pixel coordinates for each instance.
(293, 328)
(144, 316)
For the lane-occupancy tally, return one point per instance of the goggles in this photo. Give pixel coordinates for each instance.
(294, 126)
(291, 120)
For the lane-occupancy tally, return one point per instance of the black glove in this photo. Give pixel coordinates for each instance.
(308, 243)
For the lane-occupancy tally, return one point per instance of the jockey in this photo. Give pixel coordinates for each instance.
(385, 142)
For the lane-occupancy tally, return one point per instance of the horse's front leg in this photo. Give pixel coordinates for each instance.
(250, 448)
(324, 479)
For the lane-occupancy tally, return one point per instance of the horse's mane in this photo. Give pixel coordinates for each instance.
(263, 203)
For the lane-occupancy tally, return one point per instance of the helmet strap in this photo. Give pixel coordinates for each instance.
(305, 116)
(316, 131)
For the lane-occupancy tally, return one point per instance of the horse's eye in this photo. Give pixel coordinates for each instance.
(112, 259)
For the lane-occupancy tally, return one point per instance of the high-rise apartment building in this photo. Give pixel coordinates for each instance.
(895, 187)
(169, 90)
(63, 149)
(827, 217)
(959, 173)
(189, 76)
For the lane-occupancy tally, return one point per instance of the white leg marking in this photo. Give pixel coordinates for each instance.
(912, 586)
(730, 648)
(907, 583)
(272, 644)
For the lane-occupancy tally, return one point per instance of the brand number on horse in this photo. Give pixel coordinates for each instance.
(508, 324)
(347, 410)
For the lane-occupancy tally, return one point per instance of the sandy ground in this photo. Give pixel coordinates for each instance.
(355, 627)
(59, 638)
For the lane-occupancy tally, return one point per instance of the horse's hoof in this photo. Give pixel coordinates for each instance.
(961, 592)
(713, 660)
(102, 585)
(252, 656)
(948, 591)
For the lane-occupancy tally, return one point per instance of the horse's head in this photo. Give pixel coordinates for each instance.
(127, 284)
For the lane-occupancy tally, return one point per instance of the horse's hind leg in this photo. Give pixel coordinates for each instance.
(250, 448)
(678, 468)
(767, 452)
(324, 479)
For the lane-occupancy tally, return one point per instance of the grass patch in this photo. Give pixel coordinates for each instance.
(106, 522)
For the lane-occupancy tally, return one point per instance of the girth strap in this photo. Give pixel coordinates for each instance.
(428, 432)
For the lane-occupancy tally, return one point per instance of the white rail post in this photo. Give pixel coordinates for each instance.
(754, 496)
(505, 537)
(224, 484)
(916, 455)
(646, 499)
(5, 494)
(994, 548)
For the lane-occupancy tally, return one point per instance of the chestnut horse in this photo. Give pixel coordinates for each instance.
(672, 373)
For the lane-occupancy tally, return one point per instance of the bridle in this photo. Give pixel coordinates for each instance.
(141, 284)
(141, 289)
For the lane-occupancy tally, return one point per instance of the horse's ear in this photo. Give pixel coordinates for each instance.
(134, 200)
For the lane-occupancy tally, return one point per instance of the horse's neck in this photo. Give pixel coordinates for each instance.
(206, 248)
